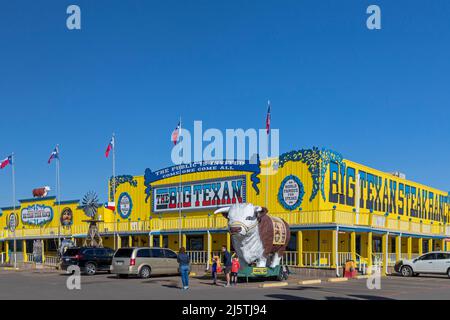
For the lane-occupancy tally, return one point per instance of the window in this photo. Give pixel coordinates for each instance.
(143, 253)
(89, 252)
(170, 254)
(429, 256)
(157, 253)
(442, 256)
(124, 253)
(71, 252)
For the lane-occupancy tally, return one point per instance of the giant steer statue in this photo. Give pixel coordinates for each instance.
(41, 192)
(257, 237)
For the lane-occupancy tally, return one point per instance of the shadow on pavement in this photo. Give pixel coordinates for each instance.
(286, 297)
(369, 297)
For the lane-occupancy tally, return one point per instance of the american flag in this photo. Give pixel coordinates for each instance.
(268, 118)
(176, 133)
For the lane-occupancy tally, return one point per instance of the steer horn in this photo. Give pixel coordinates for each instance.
(223, 211)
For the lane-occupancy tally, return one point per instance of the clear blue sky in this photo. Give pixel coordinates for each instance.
(380, 98)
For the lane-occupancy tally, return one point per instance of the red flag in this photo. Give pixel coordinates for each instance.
(176, 133)
(5, 162)
(268, 118)
(110, 147)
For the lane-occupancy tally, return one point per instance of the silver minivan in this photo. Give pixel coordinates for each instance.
(144, 262)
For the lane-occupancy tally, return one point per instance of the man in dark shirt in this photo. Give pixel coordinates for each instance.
(227, 263)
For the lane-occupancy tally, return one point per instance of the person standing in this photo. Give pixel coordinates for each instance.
(227, 263)
(184, 265)
(234, 270)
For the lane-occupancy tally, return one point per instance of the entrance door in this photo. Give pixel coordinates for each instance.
(195, 243)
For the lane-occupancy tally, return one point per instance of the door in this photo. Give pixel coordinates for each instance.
(442, 263)
(426, 263)
(158, 261)
(171, 261)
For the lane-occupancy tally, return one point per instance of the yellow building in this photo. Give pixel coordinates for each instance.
(337, 209)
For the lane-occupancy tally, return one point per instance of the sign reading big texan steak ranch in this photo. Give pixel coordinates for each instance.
(36, 214)
(200, 194)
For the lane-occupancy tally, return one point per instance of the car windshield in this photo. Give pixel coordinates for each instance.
(124, 253)
(71, 252)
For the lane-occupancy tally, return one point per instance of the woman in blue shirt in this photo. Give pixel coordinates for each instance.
(183, 261)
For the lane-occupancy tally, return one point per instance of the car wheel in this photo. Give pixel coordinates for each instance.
(145, 272)
(90, 269)
(406, 271)
(448, 272)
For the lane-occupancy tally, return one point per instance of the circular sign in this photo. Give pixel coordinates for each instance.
(125, 205)
(291, 193)
(66, 217)
(12, 222)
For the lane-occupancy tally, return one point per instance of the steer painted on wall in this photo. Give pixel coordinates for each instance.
(41, 192)
(257, 237)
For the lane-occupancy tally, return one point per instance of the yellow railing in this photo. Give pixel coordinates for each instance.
(404, 224)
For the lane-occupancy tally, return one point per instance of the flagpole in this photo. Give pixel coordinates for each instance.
(14, 206)
(58, 195)
(179, 201)
(114, 188)
(268, 162)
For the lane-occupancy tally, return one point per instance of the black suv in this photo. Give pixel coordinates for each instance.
(90, 260)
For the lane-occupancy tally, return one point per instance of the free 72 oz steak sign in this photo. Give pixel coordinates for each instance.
(200, 194)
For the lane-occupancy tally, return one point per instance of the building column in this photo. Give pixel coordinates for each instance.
(299, 249)
(430, 245)
(183, 240)
(353, 245)
(209, 246)
(398, 248)
(6, 251)
(369, 252)
(161, 241)
(385, 251)
(43, 250)
(334, 249)
(409, 248)
(420, 246)
(119, 242)
(24, 250)
(443, 244)
(150, 240)
(228, 242)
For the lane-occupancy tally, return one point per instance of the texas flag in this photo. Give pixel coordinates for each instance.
(110, 206)
(53, 155)
(176, 133)
(268, 118)
(5, 162)
(110, 147)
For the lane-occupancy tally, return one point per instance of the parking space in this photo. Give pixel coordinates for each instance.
(52, 285)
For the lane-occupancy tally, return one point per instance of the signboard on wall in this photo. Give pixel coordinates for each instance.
(291, 192)
(36, 214)
(125, 205)
(199, 195)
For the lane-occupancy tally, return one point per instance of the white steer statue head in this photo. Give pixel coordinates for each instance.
(242, 219)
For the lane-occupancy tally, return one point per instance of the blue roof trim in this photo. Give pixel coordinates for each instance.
(11, 208)
(67, 202)
(37, 199)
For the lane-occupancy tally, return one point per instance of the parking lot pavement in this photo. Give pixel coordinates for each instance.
(52, 285)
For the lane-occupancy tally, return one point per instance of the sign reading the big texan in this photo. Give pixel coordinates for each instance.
(204, 166)
(200, 195)
(36, 214)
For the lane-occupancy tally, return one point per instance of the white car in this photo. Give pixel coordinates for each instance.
(436, 262)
